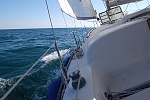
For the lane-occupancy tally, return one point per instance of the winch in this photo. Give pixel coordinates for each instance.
(75, 79)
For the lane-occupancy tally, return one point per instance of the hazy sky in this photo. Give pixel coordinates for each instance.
(33, 13)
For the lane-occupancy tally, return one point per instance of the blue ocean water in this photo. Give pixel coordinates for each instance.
(21, 48)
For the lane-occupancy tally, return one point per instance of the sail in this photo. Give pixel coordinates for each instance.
(112, 3)
(79, 9)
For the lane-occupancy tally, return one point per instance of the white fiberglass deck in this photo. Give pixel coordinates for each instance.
(114, 60)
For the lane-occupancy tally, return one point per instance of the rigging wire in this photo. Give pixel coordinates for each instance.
(66, 27)
(126, 8)
(68, 11)
(72, 19)
(65, 21)
(76, 95)
(137, 6)
(50, 20)
(25, 74)
(81, 23)
(77, 45)
(67, 51)
(61, 62)
(70, 39)
(75, 23)
(82, 30)
(63, 70)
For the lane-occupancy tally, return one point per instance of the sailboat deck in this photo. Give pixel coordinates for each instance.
(130, 79)
(85, 93)
(137, 77)
(114, 60)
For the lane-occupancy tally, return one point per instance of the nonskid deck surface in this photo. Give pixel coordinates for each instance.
(131, 84)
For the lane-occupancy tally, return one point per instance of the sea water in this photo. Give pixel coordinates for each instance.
(21, 48)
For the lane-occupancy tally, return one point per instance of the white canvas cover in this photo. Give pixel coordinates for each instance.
(120, 2)
(79, 9)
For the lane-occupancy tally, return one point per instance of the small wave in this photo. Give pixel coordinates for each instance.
(9, 82)
(30, 83)
(2, 82)
(48, 58)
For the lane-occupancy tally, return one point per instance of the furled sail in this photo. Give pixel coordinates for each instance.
(112, 3)
(79, 9)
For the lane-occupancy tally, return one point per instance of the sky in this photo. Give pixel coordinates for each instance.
(17, 14)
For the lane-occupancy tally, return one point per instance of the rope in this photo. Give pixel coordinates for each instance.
(25, 74)
(57, 48)
(67, 28)
(76, 98)
(70, 91)
(137, 6)
(74, 22)
(50, 19)
(126, 7)
(64, 20)
(68, 11)
(61, 62)
(82, 31)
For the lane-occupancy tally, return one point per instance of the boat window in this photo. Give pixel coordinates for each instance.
(111, 15)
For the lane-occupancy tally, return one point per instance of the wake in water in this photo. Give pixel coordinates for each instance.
(53, 56)
(19, 50)
(33, 86)
(31, 81)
